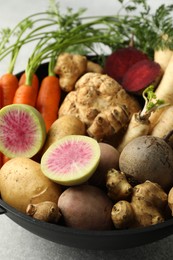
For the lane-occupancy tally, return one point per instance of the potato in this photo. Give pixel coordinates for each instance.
(22, 182)
(109, 158)
(86, 207)
(63, 126)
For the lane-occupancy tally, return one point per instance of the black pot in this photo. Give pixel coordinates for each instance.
(103, 240)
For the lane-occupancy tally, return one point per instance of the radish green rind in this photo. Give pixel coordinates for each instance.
(22, 131)
(71, 160)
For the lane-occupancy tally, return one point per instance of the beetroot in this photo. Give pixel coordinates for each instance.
(141, 75)
(121, 60)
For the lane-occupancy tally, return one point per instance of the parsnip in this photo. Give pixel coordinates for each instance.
(162, 57)
(165, 125)
(140, 122)
(164, 91)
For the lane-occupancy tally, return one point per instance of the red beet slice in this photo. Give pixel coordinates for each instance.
(121, 60)
(141, 75)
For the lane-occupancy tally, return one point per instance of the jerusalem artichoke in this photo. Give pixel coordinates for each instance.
(70, 67)
(95, 97)
(46, 211)
(117, 185)
(147, 207)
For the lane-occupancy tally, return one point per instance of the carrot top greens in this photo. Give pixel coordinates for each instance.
(54, 31)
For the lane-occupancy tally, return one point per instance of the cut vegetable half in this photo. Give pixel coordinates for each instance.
(22, 131)
(71, 160)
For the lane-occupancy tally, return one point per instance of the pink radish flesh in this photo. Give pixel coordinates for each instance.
(18, 131)
(69, 156)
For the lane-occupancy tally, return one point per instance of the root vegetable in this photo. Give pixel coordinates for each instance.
(123, 215)
(162, 57)
(98, 100)
(164, 125)
(147, 207)
(47, 211)
(22, 182)
(152, 193)
(109, 158)
(93, 67)
(117, 185)
(139, 124)
(63, 126)
(148, 158)
(164, 91)
(49, 96)
(86, 207)
(170, 200)
(70, 67)
(109, 122)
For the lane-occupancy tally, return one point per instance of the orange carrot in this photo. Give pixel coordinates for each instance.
(35, 80)
(9, 85)
(5, 159)
(48, 99)
(27, 93)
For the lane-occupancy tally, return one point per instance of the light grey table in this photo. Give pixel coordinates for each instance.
(17, 243)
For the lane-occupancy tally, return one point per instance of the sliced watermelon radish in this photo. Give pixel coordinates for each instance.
(71, 160)
(22, 131)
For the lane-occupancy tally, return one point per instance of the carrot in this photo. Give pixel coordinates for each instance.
(5, 159)
(49, 98)
(35, 80)
(27, 92)
(9, 85)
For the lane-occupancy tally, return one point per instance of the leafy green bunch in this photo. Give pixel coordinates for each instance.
(54, 32)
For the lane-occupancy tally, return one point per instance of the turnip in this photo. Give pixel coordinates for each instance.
(148, 158)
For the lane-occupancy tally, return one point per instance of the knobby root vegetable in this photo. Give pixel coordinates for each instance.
(109, 122)
(100, 103)
(117, 185)
(93, 67)
(70, 67)
(147, 207)
(47, 211)
(122, 215)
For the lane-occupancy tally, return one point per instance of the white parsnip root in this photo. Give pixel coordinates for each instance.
(164, 91)
(162, 57)
(139, 124)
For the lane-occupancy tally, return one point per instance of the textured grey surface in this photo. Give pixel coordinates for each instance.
(17, 243)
